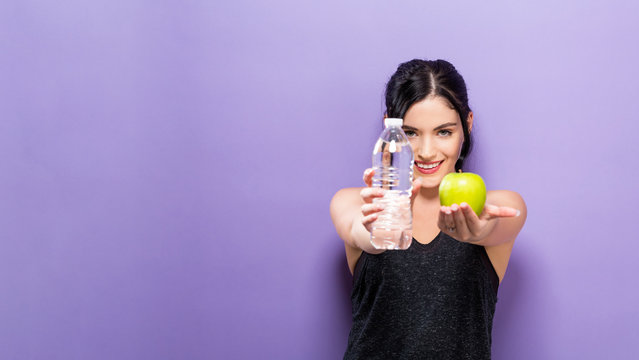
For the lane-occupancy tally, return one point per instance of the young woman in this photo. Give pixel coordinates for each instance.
(436, 299)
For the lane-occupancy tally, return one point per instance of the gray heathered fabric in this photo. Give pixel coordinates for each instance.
(433, 301)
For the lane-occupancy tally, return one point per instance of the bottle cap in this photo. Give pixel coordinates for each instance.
(393, 122)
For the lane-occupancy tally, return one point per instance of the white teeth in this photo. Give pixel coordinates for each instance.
(428, 166)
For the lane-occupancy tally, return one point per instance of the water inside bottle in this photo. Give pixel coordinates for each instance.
(393, 228)
(393, 165)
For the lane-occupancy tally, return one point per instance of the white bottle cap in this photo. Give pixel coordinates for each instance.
(393, 122)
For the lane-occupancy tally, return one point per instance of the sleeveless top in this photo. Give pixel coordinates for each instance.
(431, 301)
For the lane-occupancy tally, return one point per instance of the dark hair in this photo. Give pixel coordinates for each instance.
(417, 79)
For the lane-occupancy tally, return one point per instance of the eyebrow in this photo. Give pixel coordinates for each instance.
(437, 128)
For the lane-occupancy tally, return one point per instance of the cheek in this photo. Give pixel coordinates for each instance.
(451, 147)
(459, 143)
(413, 144)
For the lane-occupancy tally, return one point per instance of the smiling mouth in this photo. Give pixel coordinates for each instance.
(428, 168)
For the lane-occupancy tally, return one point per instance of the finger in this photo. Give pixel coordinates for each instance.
(368, 209)
(367, 221)
(370, 193)
(472, 220)
(441, 220)
(461, 229)
(417, 184)
(368, 177)
(492, 212)
(449, 221)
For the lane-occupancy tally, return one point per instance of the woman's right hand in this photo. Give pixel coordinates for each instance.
(370, 211)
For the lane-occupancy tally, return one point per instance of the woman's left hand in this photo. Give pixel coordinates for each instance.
(461, 222)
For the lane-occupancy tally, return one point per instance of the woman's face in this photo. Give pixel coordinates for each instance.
(436, 135)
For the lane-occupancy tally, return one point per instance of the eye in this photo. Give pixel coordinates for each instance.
(410, 133)
(445, 132)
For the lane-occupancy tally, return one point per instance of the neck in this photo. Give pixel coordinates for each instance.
(429, 194)
(426, 213)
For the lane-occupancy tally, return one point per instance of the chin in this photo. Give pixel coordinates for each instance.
(430, 182)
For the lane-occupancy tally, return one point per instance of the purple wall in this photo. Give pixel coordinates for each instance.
(166, 170)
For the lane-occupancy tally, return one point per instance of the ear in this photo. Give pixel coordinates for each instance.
(470, 121)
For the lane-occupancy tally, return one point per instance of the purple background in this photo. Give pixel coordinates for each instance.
(166, 169)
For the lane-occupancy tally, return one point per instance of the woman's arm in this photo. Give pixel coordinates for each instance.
(353, 212)
(506, 228)
(348, 213)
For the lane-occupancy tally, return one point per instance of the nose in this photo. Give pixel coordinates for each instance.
(425, 150)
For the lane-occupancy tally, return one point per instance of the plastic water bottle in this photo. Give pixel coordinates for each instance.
(393, 164)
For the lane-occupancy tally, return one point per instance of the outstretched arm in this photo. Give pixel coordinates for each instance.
(353, 212)
(351, 216)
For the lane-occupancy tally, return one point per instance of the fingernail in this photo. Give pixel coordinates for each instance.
(518, 213)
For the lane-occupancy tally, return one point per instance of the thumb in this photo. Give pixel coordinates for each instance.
(492, 211)
(368, 176)
(417, 184)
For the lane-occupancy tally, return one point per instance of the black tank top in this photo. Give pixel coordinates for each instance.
(431, 301)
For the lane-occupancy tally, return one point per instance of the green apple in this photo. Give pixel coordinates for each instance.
(456, 188)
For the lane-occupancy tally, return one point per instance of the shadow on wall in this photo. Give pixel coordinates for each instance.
(333, 296)
(344, 278)
(513, 336)
(508, 298)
